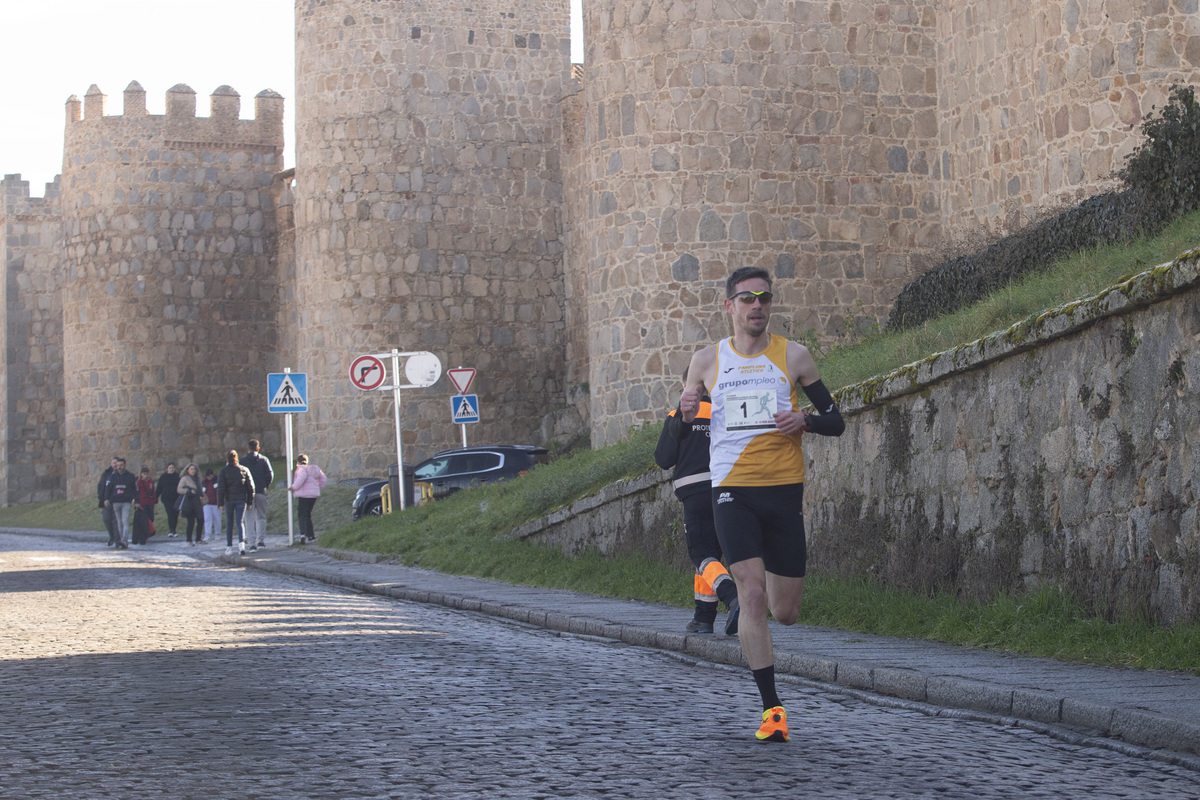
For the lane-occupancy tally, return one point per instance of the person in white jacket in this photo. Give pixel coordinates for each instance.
(306, 486)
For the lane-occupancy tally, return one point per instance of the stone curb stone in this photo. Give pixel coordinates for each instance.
(976, 695)
(1037, 706)
(904, 683)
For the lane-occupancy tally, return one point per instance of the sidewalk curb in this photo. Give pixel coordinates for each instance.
(1129, 730)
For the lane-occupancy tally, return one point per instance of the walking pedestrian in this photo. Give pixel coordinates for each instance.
(168, 491)
(307, 483)
(143, 507)
(189, 502)
(685, 447)
(106, 512)
(757, 466)
(235, 493)
(260, 469)
(212, 515)
(119, 497)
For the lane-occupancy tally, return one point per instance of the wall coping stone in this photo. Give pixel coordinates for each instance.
(1146, 288)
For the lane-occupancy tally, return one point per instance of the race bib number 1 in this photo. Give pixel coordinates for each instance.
(750, 411)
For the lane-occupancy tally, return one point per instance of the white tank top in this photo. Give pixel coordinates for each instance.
(746, 449)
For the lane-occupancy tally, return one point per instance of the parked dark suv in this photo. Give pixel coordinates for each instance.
(448, 471)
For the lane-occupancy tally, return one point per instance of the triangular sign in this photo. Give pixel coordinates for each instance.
(461, 377)
(287, 394)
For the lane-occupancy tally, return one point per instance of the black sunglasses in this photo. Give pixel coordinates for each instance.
(748, 298)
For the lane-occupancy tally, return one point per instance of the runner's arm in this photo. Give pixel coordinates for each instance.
(828, 420)
(698, 377)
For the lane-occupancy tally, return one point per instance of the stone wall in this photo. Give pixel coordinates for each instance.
(639, 517)
(170, 295)
(1040, 103)
(1065, 450)
(32, 460)
(8, 186)
(429, 186)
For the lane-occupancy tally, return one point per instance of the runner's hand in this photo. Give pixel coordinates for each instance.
(790, 422)
(689, 403)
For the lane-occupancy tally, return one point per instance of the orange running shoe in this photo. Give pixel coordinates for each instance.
(774, 726)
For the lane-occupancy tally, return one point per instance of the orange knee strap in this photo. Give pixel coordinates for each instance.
(713, 571)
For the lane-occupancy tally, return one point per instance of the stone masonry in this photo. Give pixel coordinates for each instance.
(32, 457)
(460, 189)
(170, 297)
(428, 214)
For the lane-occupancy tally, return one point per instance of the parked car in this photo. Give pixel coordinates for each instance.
(449, 471)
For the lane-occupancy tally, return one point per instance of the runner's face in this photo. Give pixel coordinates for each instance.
(750, 318)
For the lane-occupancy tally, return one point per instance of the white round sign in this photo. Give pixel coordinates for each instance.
(423, 369)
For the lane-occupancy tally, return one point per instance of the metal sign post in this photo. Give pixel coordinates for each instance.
(287, 425)
(461, 377)
(399, 440)
(287, 394)
(422, 370)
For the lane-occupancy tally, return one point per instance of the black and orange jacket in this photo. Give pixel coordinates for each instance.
(685, 447)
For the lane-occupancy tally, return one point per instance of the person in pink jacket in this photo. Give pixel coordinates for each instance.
(307, 483)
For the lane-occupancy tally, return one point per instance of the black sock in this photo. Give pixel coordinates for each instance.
(727, 591)
(765, 678)
(705, 611)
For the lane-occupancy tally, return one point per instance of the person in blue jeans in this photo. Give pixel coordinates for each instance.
(235, 494)
(119, 496)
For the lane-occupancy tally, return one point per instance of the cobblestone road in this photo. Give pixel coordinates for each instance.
(148, 674)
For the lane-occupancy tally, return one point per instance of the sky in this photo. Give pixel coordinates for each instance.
(52, 49)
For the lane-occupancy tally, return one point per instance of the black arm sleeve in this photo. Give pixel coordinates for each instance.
(666, 454)
(828, 420)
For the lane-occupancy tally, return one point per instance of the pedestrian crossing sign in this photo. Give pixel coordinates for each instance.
(464, 408)
(287, 392)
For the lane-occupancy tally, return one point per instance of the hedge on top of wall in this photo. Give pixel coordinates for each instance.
(1162, 182)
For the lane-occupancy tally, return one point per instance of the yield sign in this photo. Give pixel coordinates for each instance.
(461, 377)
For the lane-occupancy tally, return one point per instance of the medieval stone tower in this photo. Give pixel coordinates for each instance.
(460, 189)
(428, 212)
(170, 308)
(32, 447)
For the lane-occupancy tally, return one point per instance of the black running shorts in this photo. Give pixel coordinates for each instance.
(764, 522)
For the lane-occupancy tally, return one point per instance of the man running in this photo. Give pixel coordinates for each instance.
(757, 468)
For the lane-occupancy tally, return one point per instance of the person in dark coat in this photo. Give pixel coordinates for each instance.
(118, 496)
(168, 492)
(106, 512)
(260, 469)
(684, 447)
(235, 494)
(143, 507)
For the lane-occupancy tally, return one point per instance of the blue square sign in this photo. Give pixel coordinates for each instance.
(464, 408)
(287, 392)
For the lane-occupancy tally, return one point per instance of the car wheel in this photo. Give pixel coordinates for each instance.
(374, 509)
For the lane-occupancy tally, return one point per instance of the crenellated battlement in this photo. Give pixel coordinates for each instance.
(223, 124)
(14, 189)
